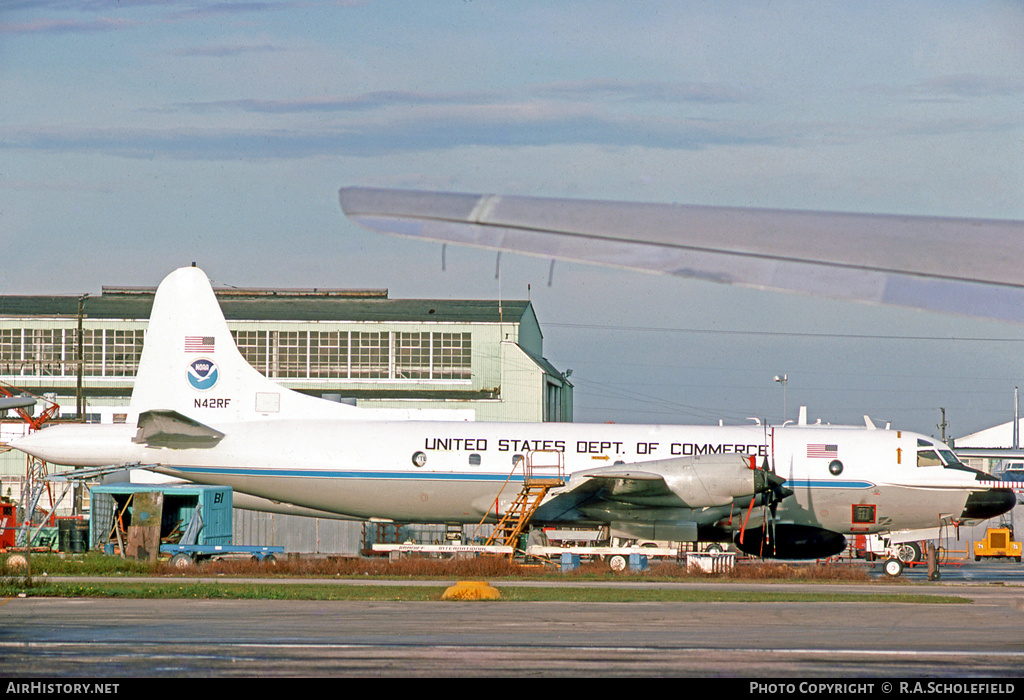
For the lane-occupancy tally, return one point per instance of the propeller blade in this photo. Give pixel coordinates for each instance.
(743, 528)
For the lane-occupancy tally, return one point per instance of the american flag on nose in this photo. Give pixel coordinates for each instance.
(198, 343)
(816, 451)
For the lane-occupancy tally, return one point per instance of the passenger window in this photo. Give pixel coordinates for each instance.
(928, 458)
(474, 460)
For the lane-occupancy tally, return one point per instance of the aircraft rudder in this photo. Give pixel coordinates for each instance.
(190, 359)
(191, 364)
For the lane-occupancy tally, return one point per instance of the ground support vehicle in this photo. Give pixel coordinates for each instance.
(399, 550)
(617, 557)
(998, 542)
(183, 555)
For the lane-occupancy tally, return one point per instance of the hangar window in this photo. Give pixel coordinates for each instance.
(36, 351)
(452, 354)
(370, 355)
(107, 352)
(92, 352)
(291, 358)
(412, 356)
(253, 346)
(328, 354)
(10, 350)
(122, 350)
(356, 355)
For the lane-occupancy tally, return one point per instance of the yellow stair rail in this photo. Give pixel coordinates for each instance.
(537, 481)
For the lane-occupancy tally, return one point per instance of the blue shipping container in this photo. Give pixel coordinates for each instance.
(180, 501)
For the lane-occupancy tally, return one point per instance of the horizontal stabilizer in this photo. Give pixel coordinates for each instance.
(16, 402)
(83, 474)
(173, 430)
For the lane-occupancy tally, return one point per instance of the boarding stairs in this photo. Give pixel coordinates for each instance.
(35, 484)
(538, 480)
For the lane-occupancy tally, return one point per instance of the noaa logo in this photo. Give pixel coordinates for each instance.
(202, 374)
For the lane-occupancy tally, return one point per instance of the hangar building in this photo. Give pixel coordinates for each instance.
(484, 358)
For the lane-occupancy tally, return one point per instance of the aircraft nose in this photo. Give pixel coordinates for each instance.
(982, 505)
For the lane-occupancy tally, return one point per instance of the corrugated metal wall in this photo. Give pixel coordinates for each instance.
(297, 534)
(301, 535)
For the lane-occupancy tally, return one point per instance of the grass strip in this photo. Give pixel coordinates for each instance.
(270, 591)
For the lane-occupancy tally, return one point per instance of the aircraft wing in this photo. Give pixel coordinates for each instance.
(610, 489)
(964, 266)
(621, 484)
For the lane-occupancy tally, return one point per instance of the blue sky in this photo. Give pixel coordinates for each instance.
(141, 136)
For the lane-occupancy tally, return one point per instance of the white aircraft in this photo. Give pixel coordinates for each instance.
(206, 415)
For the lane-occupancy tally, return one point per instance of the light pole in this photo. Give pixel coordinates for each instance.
(783, 379)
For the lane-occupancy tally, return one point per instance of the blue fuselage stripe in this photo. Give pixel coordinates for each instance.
(331, 474)
(447, 476)
(824, 484)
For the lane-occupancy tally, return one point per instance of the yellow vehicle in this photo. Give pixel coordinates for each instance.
(998, 542)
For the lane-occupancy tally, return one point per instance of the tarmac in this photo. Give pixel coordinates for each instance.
(114, 638)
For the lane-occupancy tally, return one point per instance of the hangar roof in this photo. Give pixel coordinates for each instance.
(279, 305)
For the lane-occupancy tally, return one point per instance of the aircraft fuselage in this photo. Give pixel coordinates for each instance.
(847, 480)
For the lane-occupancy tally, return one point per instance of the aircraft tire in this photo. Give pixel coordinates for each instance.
(893, 567)
(909, 552)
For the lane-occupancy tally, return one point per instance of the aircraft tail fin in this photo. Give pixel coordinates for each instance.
(190, 364)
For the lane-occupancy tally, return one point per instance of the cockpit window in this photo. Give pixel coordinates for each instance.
(949, 458)
(930, 454)
(938, 457)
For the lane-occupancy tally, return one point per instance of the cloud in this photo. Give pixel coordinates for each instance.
(972, 85)
(608, 92)
(433, 130)
(699, 92)
(225, 50)
(66, 26)
(87, 16)
(345, 103)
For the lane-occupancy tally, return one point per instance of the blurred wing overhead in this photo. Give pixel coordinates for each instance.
(973, 267)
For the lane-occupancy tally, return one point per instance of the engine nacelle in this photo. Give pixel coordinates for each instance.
(789, 541)
(716, 480)
(689, 482)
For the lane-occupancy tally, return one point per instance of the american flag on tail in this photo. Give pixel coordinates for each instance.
(198, 343)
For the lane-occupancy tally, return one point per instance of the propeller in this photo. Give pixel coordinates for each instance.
(774, 496)
(772, 492)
